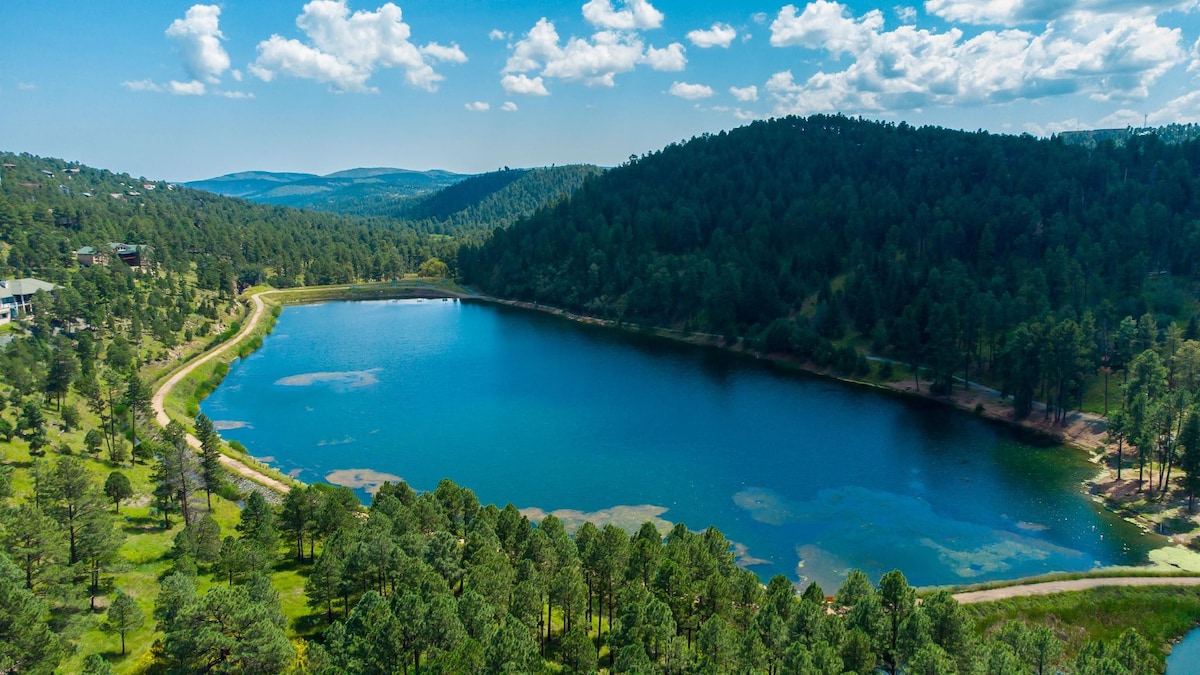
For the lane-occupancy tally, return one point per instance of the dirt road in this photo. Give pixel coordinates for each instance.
(1049, 587)
(158, 403)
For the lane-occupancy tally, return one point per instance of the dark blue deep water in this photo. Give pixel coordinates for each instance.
(809, 477)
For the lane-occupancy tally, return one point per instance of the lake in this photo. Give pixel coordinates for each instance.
(809, 477)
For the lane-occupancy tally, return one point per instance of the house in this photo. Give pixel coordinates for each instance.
(130, 254)
(72, 171)
(48, 173)
(34, 186)
(9, 165)
(16, 295)
(88, 256)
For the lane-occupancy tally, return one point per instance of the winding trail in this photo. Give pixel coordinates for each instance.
(158, 402)
(1067, 585)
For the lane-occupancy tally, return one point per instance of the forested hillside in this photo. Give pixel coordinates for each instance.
(474, 207)
(49, 208)
(937, 247)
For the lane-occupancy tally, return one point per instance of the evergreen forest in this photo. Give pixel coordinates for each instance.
(1064, 274)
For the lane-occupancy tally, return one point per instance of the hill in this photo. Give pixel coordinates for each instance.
(246, 183)
(481, 203)
(330, 192)
(51, 207)
(810, 237)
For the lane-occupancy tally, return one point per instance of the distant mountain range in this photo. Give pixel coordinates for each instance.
(437, 202)
(328, 193)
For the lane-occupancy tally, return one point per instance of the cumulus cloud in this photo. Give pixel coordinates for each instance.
(669, 58)
(344, 49)
(745, 94)
(906, 14)
(594, 61)
(825, 25)
(720, 35)
(199, 39)
(1103, 56)
(509, 106)
(498, 34)
(634, 15)
(1017, 12)
(478, 106)
(523, 84)
(690, 91)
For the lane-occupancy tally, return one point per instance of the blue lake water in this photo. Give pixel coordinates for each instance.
(809, 477)
(1185, 656)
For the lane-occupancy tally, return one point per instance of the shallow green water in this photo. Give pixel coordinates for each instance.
(809, 477)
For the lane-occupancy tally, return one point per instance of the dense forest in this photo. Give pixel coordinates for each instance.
(471, 209)
(939, 248)
(125, 550)
(50, 208)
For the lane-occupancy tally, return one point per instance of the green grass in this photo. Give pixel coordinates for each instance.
(1162, 614)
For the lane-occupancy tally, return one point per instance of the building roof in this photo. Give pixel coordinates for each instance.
(14, 287)
(86, 250)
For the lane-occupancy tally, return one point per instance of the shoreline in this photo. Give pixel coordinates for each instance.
(1085, 432)
(1082, 431)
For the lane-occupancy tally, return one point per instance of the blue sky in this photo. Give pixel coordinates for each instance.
(183, 91)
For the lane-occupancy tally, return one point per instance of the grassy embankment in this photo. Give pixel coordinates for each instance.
(1161, 614)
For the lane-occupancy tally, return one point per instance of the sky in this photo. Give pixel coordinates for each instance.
(184, 91)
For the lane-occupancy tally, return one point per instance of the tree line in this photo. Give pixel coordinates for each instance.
(963, 255)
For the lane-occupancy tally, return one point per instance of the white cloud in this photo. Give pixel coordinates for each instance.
(634, 15)
(478, 106)
(1182, 110)
(825, 25)
(235, 94)
(1194, 55)
(667, 59)
(760, 18)
(523, 84)
(509, 106)
(1104, 56)
(236, 75)
(26, 86)
(1051, 128)
(451, 54)
(199, 39)
(745, 94)
(690, 91)
(345, 49)
(906, 14)
(141, 85)
(595, 61)
(192, 88)
(1018, 12)
(720, 35)
(498, 34)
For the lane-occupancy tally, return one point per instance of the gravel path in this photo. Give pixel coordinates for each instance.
(1049, 587)
(158, 403)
